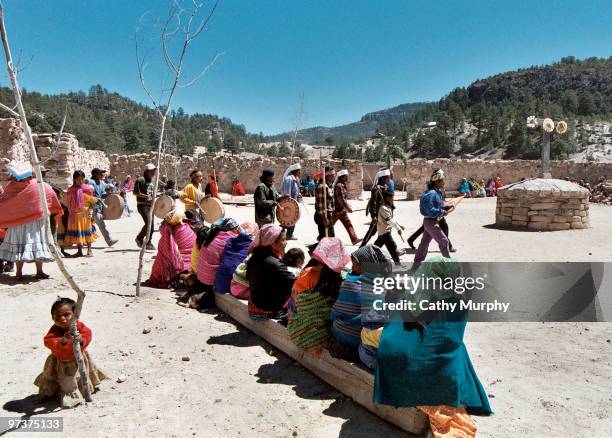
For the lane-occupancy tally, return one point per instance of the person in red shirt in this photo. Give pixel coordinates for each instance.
(237, 188)
(60, 377)
(211, 188)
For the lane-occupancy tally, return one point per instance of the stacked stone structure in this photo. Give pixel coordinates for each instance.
(543, 204)
(61, 160)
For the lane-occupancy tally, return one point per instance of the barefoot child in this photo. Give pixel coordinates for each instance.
(60, 377)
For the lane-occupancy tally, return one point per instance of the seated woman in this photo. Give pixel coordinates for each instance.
(235, 251)
(464, 188)
(210, 258)
(350, 310)
(491, 189)
(269, 279)
(425, 351)
(314, 293)
(173, 251)
(498, 183)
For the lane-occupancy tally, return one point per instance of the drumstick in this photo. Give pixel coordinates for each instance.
(304, 205)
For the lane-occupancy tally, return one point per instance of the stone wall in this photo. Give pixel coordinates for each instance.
(60, 161)
(13, 145)
(420, 170)
(543, 205)
(63, 160)
(247, 170)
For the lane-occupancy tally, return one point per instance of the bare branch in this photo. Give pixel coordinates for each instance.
(142, 65)
(168, 34)
(9, 110)
(203, 72)
(206, 19)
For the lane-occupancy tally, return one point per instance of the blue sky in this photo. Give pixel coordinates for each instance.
(347, 57)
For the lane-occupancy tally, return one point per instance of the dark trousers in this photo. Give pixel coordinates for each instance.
(145, 212)
(370, 233)
(443, 225)
(318, 218)
(387, 240)
(289, 231)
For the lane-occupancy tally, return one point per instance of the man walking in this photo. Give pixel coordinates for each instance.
(376, 199)
(265, 197)
(143, 189)
(291, 188)
(342, 207)
(324, 204)
(100, 186)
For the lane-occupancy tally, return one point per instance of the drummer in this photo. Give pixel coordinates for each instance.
(100, 192)
(291, 188)
(191, 191)
(266, 196)
(143, 190)
(341, 205)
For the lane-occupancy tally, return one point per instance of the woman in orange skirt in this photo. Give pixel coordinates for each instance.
(81, 231)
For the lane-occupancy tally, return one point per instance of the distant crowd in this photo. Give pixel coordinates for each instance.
(474, 188)
(600, 193)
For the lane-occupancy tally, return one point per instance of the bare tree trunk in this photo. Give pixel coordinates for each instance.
(146, 239)
(185, 20)
(43, 200)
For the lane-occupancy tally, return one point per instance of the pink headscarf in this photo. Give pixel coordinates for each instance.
(267, 236)
(75, 196)
(331, 251)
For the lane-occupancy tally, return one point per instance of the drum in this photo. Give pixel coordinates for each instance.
(163, 205)
(212, 209)
(113, 207)
(287, 212)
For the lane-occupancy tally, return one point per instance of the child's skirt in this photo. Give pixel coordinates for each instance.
(62, 378)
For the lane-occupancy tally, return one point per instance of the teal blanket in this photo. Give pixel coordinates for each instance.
(428, 364)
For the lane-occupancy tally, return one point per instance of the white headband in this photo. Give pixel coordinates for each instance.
(343, 172)
(295, 166)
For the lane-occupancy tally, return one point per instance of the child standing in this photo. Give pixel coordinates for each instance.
(386, 224)
(294, 259)
(127, 211)
(60, 377)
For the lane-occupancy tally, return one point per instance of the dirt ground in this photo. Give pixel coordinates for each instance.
(544, 380)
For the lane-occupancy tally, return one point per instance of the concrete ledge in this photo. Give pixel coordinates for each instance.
(347, 378)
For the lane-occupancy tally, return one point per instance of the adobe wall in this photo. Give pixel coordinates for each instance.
(419, 171)
(247, 170)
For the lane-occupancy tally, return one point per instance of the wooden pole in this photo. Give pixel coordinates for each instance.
(324, 187)
(43, 200)
(546, 155)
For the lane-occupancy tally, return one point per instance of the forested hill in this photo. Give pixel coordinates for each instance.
(110, 122)
(490, 113)
(367, 126)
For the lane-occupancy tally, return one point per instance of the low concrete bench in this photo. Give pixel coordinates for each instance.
(350, 379)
